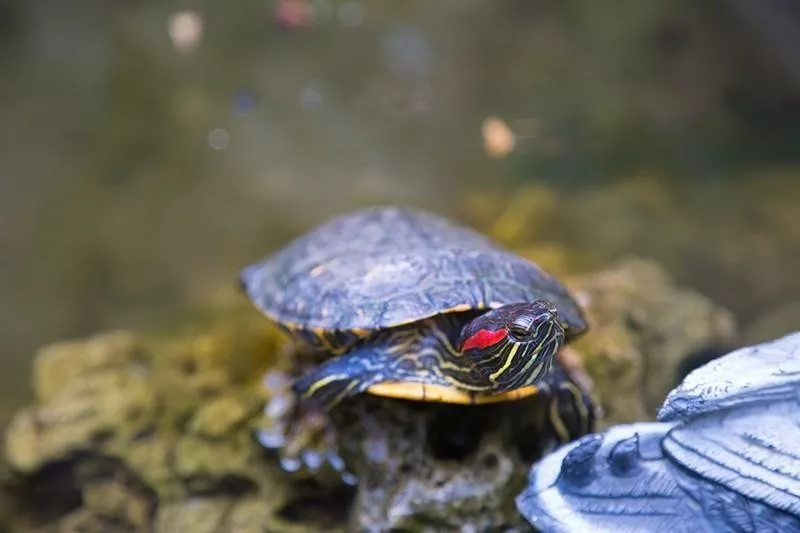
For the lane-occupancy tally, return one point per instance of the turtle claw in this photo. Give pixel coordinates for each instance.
(304, 440)
(311, 445)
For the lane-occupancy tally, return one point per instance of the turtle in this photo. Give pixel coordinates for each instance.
(722, 455)
(402, 303)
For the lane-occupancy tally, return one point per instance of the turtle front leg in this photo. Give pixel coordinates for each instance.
(299, 426)
(304, 439)
(571, 411)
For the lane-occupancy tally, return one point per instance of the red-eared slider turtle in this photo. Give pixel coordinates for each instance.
(723, 456)
(402, 303)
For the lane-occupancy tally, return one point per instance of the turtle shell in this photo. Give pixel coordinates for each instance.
(382, 267)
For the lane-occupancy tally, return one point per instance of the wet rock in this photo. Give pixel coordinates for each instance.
(436, 467)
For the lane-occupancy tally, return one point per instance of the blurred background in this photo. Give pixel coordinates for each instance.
(149, 150)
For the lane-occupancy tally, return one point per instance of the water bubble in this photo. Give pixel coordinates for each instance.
(378, 452)
(292, 14)
(498, 138)
(218, 138)
(351, 14)
(275, 380)
(312, 95)
(290, 464)
(185, 30)
(313, 460)
(278, 406)
(322, 11)
(406, 52)
(271, 439)
(336, 462)
(350, 479)
(243, 103)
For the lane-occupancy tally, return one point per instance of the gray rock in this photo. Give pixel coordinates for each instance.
(438, 467)
(723, 456)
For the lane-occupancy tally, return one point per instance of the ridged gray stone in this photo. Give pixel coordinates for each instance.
(723, 456)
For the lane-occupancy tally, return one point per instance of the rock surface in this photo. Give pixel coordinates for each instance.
(144, 432)
(438, 467)
(135, 432)
(642, 327)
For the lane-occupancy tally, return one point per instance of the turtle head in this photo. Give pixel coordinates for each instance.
(514, 345)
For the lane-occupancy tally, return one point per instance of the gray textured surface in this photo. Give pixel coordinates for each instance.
(383, 266)
(724, 457)
(770, 368)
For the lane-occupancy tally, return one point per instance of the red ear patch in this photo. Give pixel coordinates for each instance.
(484, 338)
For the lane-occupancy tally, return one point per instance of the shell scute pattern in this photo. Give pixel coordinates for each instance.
(386, 266)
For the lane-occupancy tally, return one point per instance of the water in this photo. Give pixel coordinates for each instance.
(146, 153)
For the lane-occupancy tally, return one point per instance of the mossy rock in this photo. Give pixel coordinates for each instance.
(643, 326)
(153, 432)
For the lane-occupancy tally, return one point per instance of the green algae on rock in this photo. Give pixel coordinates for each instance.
(145, 431)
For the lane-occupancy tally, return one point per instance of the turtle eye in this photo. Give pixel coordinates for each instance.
(521, 326)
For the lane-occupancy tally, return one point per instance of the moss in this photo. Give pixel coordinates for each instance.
(154, 428)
